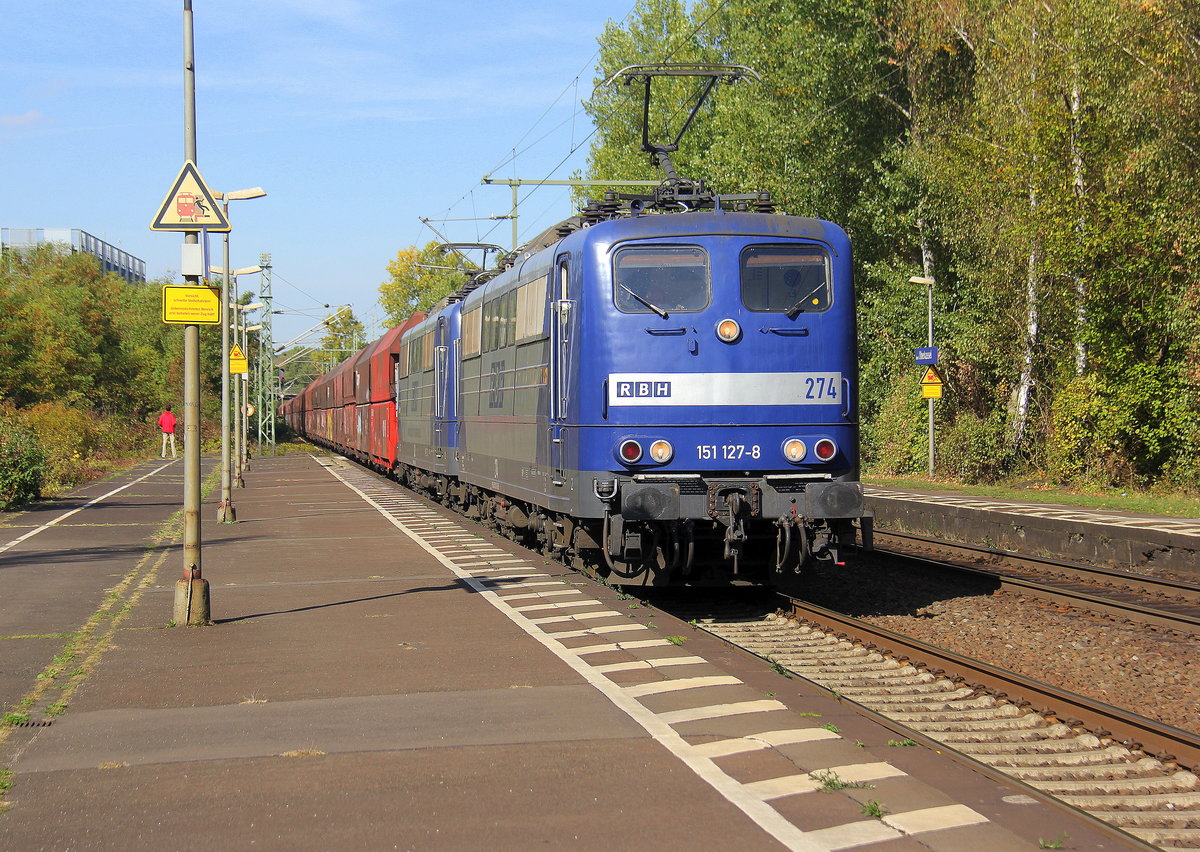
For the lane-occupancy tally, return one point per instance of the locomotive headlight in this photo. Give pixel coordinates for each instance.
(794, 450)
(630, 451)
(661, 451)
(825, 449)
(728, 330)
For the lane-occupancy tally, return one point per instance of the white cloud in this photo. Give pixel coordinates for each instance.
(31, 118)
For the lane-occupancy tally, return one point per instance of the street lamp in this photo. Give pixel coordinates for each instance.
(225, 512)
(240, 394)
(928, 282)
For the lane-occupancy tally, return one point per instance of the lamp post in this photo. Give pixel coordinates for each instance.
(928, 282)
(226, 514)
(240, 400)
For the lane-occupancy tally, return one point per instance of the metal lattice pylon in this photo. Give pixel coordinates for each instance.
(267, 392)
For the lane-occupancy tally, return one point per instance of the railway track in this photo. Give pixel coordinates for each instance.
(1155, 602)
(1128, 772)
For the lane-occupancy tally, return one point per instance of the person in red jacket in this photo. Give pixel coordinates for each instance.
(166, 422)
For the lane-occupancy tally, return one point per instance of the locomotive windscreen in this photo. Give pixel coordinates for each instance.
(785, 278)
(654, 279)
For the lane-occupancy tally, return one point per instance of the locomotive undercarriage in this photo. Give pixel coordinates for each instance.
(733, 542)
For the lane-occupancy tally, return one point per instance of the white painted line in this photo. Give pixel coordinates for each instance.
(934, 819)
(577, 616)
(86, 505)
(856, 772)
(593, 631)
(676, 661)
(717, 711)
(770, 739)
(853, 834)
(494, 581)
(791, 785)
(680, 684)
(552, 605)
(634, 665)
(534, 595)
(584, 650)
(786, 785)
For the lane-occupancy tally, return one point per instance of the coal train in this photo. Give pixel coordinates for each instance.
(662, 390)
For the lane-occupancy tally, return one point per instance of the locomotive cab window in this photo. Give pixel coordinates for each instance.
(790, 279)
(660, 279)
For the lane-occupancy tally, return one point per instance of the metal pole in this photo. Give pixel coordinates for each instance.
(239, 319)
(192, 605)
(244, 434)
(226, 514)
(930, 400)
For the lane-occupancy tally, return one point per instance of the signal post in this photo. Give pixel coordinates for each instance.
(190, 207)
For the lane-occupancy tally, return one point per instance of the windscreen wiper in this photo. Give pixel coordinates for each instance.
(795, 309)
(650, 304)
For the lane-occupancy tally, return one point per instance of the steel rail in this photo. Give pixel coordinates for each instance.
(1167, 743)
(1141, 612)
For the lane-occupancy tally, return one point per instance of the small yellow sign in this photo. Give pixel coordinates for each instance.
(188, 304)
(931, 378)
(190, 205)
(237, 360)
(931, 391)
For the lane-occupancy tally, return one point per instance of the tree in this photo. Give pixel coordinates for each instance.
(417, 281)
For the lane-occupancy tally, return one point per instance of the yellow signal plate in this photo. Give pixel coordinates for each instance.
(237, 360)
(189, 304)
(931, 391)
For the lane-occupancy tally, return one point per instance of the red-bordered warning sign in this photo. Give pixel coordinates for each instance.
(190, 206)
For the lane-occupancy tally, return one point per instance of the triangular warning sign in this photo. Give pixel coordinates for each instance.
(237, 360)
(931, 377)
(190, 206)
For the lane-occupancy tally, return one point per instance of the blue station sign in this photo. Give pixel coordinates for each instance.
(927, 355)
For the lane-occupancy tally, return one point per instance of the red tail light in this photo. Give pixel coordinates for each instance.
(825, 449)
(631, 451)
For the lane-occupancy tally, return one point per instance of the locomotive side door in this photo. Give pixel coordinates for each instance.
(561, 313)
(440, 357)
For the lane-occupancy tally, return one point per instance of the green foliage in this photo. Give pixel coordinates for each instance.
(974, 449)
(416, 283)
(22, 462)
(1038, 160)
(66, 436)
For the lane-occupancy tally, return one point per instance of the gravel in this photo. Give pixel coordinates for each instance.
(1131, 667)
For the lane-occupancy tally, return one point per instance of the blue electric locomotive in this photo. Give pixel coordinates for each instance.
(665, 397)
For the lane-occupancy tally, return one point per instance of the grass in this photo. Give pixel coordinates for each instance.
(1121, 499)
(779, 668)
(873, 809)
(1056, 843)
(830, 781)
(904, 743)
(832, 728)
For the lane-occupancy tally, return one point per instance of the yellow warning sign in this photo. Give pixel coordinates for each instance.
(931, 391)
(190, 206)
(931, 378)
(187, 304)
(237, 360)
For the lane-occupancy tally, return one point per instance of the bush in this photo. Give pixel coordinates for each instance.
(974, 449)
(893, 444)
(22, 462)
(68, 436)
(1086, 445)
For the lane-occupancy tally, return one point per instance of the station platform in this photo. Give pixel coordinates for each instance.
(383, 674)
(1107, 538)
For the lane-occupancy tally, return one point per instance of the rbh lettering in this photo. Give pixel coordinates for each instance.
(643, 390)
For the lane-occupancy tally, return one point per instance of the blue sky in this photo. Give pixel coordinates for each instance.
(357, 117)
